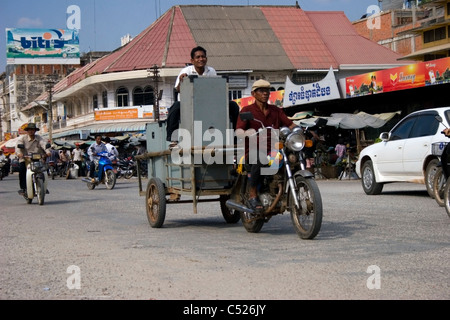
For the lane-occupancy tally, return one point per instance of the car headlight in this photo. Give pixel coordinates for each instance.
(295, 141)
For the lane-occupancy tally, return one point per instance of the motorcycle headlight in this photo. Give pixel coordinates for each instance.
(284, 132)
(295, 141)
(297, 130)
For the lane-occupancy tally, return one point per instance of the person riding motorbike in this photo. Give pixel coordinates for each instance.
(270, 116)
(93, 150)
(114, 153)
(32, 143)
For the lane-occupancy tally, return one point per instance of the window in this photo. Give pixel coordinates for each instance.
(95, 102)
(143, 97)
(302, 78)
(105, 99)
(403, 129)
(234, 94)
(434, 35)
(426, 125)
(122, 97)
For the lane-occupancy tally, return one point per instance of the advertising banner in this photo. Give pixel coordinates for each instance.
(142, 112)
(401, 78)
(326, 89)
(276, 98)
(42, 46)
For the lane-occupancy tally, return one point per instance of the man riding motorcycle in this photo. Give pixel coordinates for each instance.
(32, 143)
(271, 116)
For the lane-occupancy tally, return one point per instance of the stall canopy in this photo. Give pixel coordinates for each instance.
(347, 120)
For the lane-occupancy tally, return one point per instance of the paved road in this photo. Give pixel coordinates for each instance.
(97, 244)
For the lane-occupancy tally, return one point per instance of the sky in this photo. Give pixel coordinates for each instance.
(104, 22)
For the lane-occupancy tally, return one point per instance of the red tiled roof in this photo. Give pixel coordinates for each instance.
(294, 39)
(345, 44)
(299, 38)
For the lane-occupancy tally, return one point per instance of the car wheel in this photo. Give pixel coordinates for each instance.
(430, 172)
(369, 184)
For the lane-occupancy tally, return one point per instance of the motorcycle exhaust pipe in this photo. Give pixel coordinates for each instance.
(86, 179)
(237, 206)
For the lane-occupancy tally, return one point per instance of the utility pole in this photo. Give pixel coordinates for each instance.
(49, 83)
(156, 94)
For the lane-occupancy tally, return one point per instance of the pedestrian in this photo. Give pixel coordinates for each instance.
(77, 156)
(340, 151)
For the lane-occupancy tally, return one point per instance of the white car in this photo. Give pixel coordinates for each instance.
(405, 153)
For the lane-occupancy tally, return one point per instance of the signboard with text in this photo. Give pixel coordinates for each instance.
(325, 89)
(42, 46)
(406, 77)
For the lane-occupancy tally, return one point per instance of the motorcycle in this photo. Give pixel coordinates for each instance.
(292, 188)
(36, 177)
(125, 168)
(441, 177)
(104, 173)
(3, 173)
(52, 169)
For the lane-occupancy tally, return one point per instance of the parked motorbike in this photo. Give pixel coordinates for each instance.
(36, 177)
(292, 188)
(104, 173)
(125, 168)
(3, 173)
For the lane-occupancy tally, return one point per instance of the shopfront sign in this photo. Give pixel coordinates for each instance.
(401, 78)
(323, 90)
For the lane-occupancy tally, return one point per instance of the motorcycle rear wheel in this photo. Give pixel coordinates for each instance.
(251, 223)
(230, 216)
(307, 220)
(40, 191)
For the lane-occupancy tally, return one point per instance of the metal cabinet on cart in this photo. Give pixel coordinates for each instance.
(204, 125)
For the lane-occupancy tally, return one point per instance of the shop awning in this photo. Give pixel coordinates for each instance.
(104, 128)
(350, 121)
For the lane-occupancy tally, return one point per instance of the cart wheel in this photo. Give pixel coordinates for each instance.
(155, 200)
(230, 216)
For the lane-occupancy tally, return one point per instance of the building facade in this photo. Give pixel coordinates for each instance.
(116, 93)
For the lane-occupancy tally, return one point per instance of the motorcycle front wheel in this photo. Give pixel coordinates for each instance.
(439, 186)
(40, 191)
(128, 173)
(447, 197)
(110, 179)
(307, 219)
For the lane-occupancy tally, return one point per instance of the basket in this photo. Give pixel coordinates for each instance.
(437, 148)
